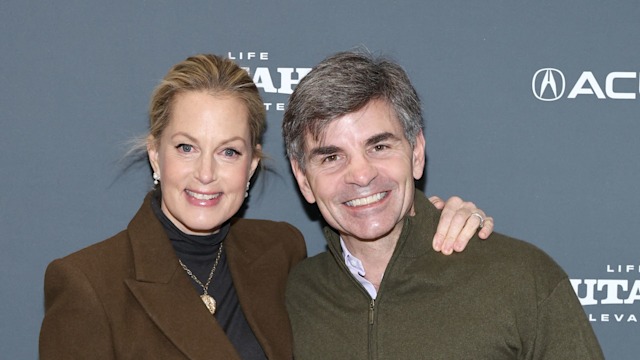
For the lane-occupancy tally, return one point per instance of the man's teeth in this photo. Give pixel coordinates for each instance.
(202, 196)
(368, 200)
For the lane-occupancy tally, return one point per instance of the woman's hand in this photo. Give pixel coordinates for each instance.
(458, 223)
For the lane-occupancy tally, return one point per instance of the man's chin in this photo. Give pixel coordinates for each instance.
(367, 233)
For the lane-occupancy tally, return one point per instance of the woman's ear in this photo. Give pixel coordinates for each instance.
(255, 161)
(152, 152)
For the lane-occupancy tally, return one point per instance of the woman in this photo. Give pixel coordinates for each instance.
(185, 280)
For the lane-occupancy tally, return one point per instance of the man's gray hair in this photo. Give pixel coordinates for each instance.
(341, 84)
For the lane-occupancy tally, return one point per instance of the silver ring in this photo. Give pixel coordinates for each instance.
(480, 217)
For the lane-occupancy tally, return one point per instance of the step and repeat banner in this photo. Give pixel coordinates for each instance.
(532, 112)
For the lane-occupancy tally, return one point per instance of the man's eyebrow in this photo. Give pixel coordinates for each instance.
(378, 138)
(323, 150)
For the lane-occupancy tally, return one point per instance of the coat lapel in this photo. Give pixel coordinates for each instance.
(167, 296)
(259, 275)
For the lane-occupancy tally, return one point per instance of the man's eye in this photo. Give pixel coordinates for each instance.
(380, 147)
(330, 158)
(185, 147)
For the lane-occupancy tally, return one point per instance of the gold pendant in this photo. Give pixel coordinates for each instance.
(209, 302)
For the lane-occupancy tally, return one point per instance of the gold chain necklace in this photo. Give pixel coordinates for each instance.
(207, 299)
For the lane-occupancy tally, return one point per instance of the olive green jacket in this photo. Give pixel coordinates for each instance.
(499, 299)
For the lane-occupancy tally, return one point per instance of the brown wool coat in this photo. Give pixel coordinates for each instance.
(128, 298)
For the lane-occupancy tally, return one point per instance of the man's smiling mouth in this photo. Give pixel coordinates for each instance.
(367, 200)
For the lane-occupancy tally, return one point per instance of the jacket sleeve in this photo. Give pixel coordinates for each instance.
(563, 330)
(75, 325)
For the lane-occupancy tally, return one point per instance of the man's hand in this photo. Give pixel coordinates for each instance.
(458, 223)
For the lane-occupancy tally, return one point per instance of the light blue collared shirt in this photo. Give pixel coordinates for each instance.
(357, 270)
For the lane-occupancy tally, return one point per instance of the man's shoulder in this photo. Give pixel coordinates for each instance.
(312, 267)
(509, 248)
(498, 249)
(512, 258)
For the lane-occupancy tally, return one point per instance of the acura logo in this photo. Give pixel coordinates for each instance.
(548, 84)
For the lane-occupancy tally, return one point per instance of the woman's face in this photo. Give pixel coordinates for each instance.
(205, 159)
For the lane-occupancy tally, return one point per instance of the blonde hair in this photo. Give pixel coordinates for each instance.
(212, 74)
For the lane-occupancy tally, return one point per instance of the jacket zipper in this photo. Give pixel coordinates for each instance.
(372, 309)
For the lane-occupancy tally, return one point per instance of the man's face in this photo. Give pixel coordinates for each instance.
(361, 172)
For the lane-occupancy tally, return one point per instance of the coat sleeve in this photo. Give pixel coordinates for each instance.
(563, 331)
(75, 325)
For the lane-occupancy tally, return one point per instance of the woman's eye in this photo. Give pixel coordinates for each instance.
(230, 152)
(185, 147)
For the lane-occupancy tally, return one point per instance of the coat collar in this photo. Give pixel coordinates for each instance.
(167, 295)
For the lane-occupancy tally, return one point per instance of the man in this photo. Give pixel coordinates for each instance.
(353, 133)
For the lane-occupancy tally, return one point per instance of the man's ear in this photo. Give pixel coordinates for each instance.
(152, 152)
(303, 183)
(419, 156)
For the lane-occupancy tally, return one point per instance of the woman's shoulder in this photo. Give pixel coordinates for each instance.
(262, 227)
(103, 265)
(100, 254)
(267, 233)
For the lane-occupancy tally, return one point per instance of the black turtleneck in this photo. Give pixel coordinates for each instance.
(199, 253)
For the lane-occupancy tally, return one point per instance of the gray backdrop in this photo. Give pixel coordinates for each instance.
(563, 174)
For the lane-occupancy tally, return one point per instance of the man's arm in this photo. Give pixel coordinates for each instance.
(458, 223)
(563, 330)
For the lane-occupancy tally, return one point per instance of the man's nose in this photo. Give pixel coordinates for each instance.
(361, 171)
